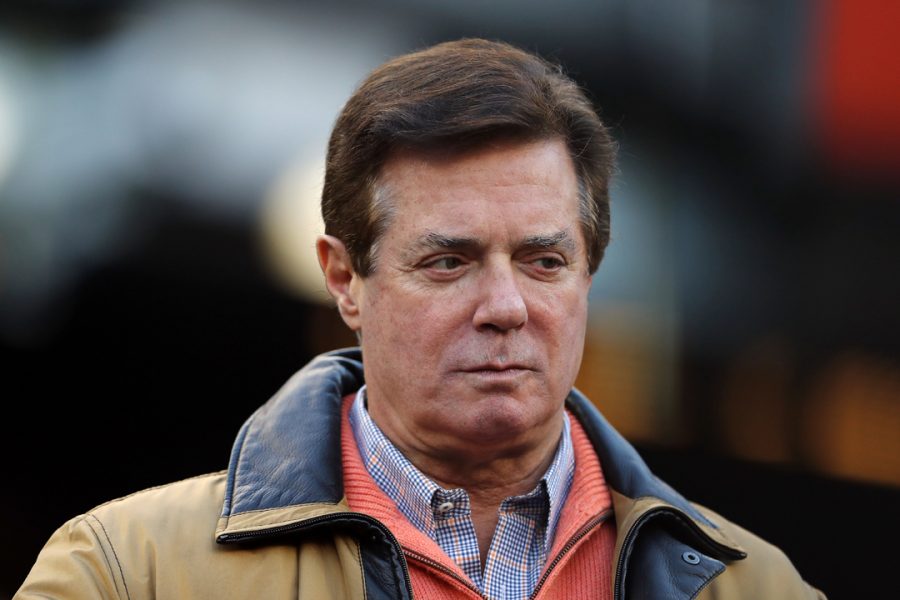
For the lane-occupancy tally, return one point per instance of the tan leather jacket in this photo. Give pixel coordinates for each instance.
(276, 525)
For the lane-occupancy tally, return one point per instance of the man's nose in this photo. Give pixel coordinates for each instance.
(501, 305)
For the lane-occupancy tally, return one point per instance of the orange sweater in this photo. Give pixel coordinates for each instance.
(579, 564)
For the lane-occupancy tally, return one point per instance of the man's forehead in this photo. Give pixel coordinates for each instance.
(524, 162)
(516, 195)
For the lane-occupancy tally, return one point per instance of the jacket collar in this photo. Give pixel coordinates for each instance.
(286, 462)
(636, 490)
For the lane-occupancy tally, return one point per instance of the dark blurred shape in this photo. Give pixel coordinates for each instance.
(852, 418)
(757, 412)
(202, 103)
(842, 417)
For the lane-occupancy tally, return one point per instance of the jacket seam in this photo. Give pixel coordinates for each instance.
(396, 559)
(257, 511)
(706, 583)
(686, 519)
(686, 512)
(362, 568)
(231, 482)
(686, 522)
(156, 487)
(89, 518)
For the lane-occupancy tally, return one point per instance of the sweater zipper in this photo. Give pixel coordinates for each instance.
(588, 527)
(315, 521)
(632, 533)
(439, 567)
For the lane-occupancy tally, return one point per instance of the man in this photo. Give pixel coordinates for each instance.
(466, 209)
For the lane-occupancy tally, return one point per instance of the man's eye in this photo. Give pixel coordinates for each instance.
(446, 263)
(549, 262)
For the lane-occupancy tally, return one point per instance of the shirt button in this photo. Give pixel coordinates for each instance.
(444, 507)
(691, 558)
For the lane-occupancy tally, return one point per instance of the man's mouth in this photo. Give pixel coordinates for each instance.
(498, 368)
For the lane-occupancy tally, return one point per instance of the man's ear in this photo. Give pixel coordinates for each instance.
(340, 278)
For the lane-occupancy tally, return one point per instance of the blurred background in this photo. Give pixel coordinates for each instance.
(160, 165)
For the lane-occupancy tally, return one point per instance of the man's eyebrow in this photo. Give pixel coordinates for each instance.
(434, 240)
(560, 239)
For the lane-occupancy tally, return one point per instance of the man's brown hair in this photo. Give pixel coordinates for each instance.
(455, 96)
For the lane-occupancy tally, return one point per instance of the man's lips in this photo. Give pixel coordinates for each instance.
(497, 368)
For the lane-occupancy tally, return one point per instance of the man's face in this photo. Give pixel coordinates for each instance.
(473, 319)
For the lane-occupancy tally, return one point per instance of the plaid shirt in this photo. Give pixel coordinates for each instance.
(526, 525)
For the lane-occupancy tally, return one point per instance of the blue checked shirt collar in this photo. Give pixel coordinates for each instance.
(524, 532)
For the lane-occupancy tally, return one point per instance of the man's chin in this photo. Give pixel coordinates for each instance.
(499, 421)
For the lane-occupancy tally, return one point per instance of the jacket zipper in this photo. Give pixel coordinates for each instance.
(311, 523)
(629, 540)
(588, 527)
